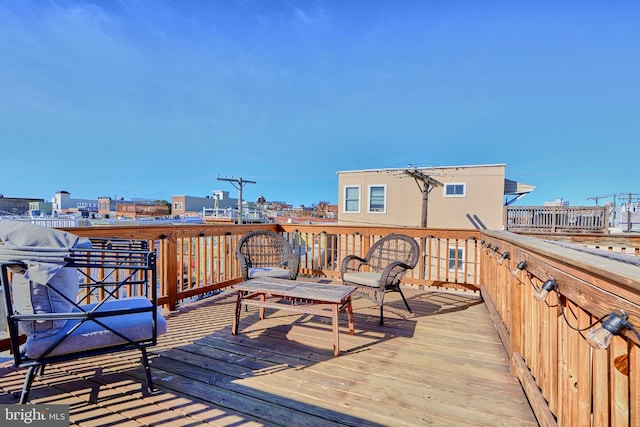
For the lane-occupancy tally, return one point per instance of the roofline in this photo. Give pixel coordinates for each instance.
(422, 168)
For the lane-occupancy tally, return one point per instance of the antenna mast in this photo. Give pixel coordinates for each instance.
(428, 184)
(239, 184)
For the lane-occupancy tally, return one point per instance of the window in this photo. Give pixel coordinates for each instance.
(455, 189)
(377, 198)
(456, 259)
(352, 199)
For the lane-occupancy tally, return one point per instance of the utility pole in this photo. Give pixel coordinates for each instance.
(596, 198)
(425, 184)
(428, 184)
(239, 184)
(629, 199)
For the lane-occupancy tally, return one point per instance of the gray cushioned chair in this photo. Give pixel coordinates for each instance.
(382, 268)
(75, 298)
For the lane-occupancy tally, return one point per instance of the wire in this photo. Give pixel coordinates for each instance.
(530, 276)
(630, 326)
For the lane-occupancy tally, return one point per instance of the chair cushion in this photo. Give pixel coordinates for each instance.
(35, 298)
(91, 336)
(282, 273)
(363, 278)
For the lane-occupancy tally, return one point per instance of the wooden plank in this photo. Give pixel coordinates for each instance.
(601, 391)
(555, 317)
(618, 370)
(583, 371)
(544, 416)
(563, 411)
(634, 384)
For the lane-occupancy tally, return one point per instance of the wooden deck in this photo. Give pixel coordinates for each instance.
(443, 365)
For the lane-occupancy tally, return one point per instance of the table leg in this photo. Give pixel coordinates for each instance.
(352, 330)
(262, 299)
(236, 318)
(336, 335)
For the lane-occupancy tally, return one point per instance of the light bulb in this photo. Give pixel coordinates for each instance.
(521, 266)
(544, 290)
(503, 257)
(601, 337)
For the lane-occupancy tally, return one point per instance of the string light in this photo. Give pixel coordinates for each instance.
(521, 266)
(543, 292)
(503, 257)
(600, 338)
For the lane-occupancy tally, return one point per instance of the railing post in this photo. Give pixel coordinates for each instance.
(170, 270)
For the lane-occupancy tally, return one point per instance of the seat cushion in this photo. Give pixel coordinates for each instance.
(35, 298)
(281, 273)
(363, 278)
(91, 336)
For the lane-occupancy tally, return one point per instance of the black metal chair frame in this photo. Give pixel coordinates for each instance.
(131, 268)
(391, 256)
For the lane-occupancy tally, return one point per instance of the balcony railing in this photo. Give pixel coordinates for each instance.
(567, 382)
(557, 219)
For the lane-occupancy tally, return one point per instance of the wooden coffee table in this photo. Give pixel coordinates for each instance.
(302, 297)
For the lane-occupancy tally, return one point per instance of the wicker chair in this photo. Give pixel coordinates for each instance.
(264, 253)
(382, 269)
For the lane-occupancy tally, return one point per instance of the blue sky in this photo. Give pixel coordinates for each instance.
(154, 98)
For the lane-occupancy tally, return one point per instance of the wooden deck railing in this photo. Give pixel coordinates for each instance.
(196, 260)
(567, 381)
(557, 219)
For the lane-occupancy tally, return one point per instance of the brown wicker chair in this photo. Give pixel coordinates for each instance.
(264, 253)
(382, 269)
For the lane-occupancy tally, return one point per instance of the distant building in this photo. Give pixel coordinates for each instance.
(107, 206)
(462, 197)
(40, 208)
(557, 202)
(63, 203)
(16, 205)
(625, 216)
(141, 209)
(191, 205)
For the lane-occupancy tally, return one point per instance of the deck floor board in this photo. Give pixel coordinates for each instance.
(442, 365)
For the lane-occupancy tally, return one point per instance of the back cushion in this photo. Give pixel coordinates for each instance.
(35, 298)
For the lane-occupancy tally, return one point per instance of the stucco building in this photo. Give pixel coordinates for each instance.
(452, 197)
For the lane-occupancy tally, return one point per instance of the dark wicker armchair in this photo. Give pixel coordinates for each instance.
(264, 253)
(382, 269)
